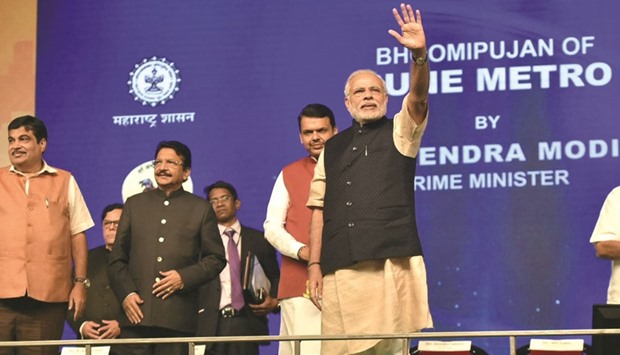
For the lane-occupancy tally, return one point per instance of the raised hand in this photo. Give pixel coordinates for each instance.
(412, 33)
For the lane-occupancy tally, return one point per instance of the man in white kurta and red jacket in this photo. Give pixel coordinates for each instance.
(287, 228)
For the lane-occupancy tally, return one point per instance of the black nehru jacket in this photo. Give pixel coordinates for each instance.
(369, 210)
(157, 233)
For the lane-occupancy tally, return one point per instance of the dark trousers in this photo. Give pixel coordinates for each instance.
(23, 319)
(234, 326)
(151, 349)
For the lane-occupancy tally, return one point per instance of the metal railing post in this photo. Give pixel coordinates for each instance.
(297, 347)
(405, 346)
(513, 345)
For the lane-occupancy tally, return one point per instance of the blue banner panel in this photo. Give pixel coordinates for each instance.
(521, 149)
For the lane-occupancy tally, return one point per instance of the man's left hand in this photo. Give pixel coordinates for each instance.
(411, 27)
(266, 307)
(169, 284)
(77, 299)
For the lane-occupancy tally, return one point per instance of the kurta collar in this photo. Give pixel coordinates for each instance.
(46, 169)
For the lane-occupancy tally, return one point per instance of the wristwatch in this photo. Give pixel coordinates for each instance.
(420, 60)
(82, 280)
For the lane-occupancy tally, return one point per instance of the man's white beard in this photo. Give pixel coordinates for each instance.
(364, 117)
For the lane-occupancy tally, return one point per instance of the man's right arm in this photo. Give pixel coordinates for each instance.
(413, 38)
(315, 275)
(606, 235)
(275, 233)
(608, 249)
(315, 202)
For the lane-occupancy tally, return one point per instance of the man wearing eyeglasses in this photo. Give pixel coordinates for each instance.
(166, 247)
(366, 270)
(100, 318)
(223, 310)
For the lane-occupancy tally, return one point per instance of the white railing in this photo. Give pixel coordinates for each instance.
(193, 341)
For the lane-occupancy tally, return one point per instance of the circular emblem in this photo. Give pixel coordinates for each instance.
(154, 81)
(142, 178)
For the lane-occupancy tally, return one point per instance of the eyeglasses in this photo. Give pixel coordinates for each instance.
(110, 224)
(158, 163)
(215, 201)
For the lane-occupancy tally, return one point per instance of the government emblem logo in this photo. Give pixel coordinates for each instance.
(154, 81)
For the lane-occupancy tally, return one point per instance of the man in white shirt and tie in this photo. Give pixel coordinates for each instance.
(231, 315)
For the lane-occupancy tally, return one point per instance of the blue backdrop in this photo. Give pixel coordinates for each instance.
(520, 151)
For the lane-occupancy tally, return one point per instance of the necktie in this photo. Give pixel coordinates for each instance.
(234, 264)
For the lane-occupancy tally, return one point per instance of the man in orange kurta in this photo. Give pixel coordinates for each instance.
(43, 217)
